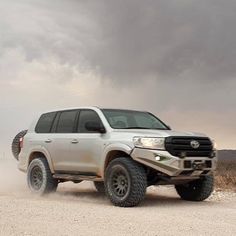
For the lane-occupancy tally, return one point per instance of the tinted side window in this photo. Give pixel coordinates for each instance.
(66, 122)
(54, 125)
(45, 122)
(87, 116)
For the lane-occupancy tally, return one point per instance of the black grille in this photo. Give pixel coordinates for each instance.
(180, 146)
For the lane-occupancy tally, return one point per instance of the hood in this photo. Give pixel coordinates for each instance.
(158, 133)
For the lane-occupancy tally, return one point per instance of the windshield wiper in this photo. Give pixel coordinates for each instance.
(135, 127)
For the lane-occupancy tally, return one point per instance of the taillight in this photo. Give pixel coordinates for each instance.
(21, 142)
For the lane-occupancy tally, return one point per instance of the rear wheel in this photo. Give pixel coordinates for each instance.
(125, 182)
(99, 186)
(39, 177)
(197, 190)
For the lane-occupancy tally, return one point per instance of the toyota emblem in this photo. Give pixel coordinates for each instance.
(194, 144)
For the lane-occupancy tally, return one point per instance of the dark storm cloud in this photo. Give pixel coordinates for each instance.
(129, 39)
(167, 39)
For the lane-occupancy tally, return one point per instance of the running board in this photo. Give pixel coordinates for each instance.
(70, 177)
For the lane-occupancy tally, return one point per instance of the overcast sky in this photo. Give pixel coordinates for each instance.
(175, 58)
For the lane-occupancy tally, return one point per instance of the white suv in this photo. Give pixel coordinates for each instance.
(122, 151)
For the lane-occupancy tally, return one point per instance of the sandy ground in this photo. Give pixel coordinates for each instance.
(77, 209)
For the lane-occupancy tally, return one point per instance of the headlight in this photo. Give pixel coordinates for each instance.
(214, 145)
(148, 142)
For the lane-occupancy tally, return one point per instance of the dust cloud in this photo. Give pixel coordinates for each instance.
(14, 182)
(11, 179)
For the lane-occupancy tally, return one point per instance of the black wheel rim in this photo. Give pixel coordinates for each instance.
(119, 182)
(36, 178)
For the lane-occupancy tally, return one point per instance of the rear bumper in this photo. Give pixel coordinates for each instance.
(22, 163)
(164, 162)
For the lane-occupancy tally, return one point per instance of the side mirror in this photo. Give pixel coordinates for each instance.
(94, 126)
(168, 127)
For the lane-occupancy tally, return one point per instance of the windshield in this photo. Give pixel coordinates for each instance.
(127, 119)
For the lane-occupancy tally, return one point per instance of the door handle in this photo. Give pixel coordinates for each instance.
(74, 141)
(48, 141)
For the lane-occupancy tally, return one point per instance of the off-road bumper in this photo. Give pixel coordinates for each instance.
(164, 162)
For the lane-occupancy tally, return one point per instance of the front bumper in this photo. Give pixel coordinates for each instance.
(164, 162)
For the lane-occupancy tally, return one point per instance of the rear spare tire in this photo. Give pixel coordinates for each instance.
(15, 147)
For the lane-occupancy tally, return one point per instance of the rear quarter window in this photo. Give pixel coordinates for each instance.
(45, 123)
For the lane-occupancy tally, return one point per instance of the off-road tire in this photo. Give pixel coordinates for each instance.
(136, 181)
(152, 177)
(15, 146)
(48, 183)
(99, 186)
(197, 190)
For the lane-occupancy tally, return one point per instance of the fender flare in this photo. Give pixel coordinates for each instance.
(45, 153)
(113, 147)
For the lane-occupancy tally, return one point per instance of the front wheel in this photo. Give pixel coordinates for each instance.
(125, 182)
(39, 177)
(197, 190)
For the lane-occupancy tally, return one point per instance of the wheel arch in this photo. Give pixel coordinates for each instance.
(36, 153)
(113, 152)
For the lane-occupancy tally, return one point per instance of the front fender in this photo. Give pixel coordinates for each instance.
(113, 147)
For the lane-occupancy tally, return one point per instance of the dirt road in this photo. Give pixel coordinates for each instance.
(80, 210)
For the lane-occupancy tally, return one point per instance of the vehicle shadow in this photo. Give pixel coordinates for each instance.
(161, 200)
(82, 195)
(151, 199)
